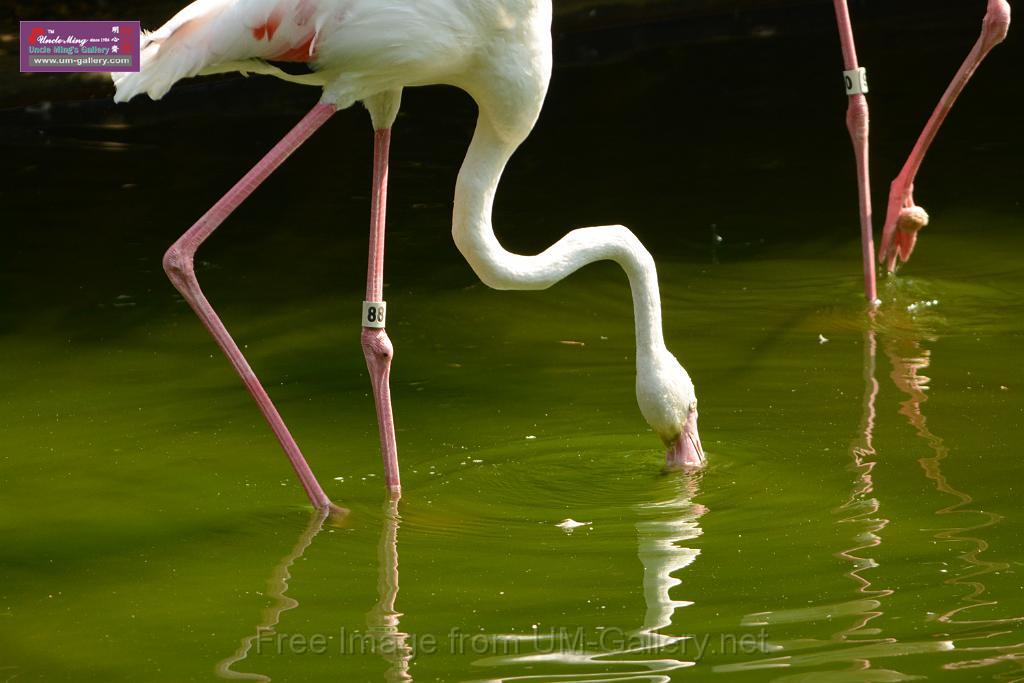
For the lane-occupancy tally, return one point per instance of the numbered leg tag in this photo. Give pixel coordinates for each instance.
(374, 313)
(856, 81)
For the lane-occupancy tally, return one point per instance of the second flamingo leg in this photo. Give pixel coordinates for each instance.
(857, 124)
(376, 345)
(178, 263)
(903, 218)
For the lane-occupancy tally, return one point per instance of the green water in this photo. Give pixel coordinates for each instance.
(859, 520)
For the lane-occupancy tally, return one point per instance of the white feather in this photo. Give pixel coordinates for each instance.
(499, 51)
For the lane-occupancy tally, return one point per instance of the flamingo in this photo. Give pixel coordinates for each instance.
(499, 52)
(904, 218)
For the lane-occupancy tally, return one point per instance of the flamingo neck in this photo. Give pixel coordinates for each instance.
(473, 232)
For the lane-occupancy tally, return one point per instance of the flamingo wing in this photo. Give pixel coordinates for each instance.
(210, 36)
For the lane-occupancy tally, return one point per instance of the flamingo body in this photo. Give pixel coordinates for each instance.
(498, 51)
(358, 47)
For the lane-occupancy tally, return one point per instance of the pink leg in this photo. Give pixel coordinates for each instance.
(903, 217)
(857, 124)
(376, 346)
(178, 263)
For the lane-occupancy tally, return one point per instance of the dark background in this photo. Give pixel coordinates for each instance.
(679, 119)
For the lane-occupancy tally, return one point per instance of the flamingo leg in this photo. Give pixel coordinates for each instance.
(903, 217)
(178, 264)
(857, 124)
(377, 347)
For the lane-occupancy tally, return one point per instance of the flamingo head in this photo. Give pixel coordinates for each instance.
(669, 404)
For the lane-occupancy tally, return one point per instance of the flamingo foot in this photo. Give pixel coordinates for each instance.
(910, 221)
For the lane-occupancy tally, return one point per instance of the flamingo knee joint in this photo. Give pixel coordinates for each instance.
(180, 268)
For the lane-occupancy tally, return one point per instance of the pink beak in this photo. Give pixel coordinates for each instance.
(686, 450)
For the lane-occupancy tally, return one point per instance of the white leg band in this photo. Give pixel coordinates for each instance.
(374, 313)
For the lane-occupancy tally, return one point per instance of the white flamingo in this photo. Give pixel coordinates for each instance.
(499, 52)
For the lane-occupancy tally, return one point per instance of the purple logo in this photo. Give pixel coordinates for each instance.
(77, 46)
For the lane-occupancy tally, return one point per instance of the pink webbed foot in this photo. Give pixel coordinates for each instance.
(910, 221)
(905, 219)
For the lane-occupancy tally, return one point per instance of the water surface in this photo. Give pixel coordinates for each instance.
(860, 517)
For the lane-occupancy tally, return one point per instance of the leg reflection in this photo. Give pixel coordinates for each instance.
(909, 359)
(277, 590)
(863, 509)
(383, 619)
(861, 644)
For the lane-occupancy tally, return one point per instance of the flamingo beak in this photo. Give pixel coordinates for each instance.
(685, 451)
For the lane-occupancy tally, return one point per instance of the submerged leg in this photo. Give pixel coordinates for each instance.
(178, 264)
(903, 217)
(377, 346)
(857, 124)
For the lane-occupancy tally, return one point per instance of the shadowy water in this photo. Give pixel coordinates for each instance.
(859, 520)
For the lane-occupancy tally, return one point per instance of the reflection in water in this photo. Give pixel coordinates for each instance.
(863, 515)
(671, 521)
(277, 590)
(382, 621)
(651, 654)
(661, 527)
(861, 643)
(908, 359)
(862, 508)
